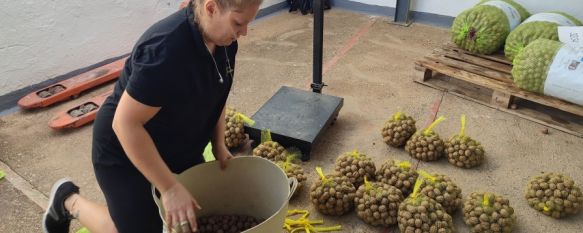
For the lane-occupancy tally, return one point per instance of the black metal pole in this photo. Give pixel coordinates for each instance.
(318, 8)
(403, 13)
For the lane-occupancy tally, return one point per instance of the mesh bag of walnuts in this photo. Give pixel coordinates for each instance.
(234, 130)
(293, 169)
(419, 213)
(234, 127)
(463, 151)
(226, 223)
(356, 166)
(398, 129)
(398, 174)
(332, 195)
(269, 149)
(486, 212)
(377, 203)
(426, 145)
(441, 189)
(554, 195)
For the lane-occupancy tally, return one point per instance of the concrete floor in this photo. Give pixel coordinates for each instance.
(369, 63)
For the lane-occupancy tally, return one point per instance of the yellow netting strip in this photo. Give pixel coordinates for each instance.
(397, 116)
(245, 119)
(463, 129)
(303, 224)
(486, 200)
(265, 135)
(322, 176)
(427, 176)
(291, 156)
(355, 154)
(404, 164)
(417, 186)
(368, 186)
(429, 129)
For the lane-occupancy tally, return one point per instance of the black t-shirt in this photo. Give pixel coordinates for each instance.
(170, 67)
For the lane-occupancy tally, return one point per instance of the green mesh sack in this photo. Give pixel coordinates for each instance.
(551, 68)
(541, 25)
(484, 28)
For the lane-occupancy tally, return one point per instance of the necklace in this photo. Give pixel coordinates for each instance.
(229, 70)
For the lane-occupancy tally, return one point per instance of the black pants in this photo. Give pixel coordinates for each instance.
(129, 199)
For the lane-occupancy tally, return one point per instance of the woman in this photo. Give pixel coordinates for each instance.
(166, 106)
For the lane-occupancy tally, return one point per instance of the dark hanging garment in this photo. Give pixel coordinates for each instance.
(306, 6)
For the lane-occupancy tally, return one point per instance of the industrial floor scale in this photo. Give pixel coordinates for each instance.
(298, 117)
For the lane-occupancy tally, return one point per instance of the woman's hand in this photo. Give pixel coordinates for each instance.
(222, 154)
(179, 206)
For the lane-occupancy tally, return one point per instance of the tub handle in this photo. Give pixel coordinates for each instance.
(159, 205)
(293, 185)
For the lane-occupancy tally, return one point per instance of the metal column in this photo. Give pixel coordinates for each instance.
(403, 13)
(317, 83)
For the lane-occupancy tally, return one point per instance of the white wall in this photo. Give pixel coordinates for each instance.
(389, 3)
(41, 39)
(454, 7)
(268, 3)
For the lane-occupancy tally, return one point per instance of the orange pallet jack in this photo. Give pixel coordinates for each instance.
(72, 87)
(79, 115)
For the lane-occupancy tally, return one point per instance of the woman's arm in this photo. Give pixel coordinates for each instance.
(220, 150)
(219, 131)
(128, 124)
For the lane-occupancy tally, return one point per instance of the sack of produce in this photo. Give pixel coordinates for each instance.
(269, 149)
(542, 25)
(234, 127)
(398, 174)
(551, 68)
(554, 194)
(484, 27)
(398, 129)
(333, 194)
(443, 190)
(377, 203)
(292, 169)
(487, 212)
(356, 166)
(419, 213)
(463, 151)
(426, 145)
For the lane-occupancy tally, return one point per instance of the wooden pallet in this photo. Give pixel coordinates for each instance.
(487, 79)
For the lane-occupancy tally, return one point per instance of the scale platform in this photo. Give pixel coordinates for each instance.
(296, 118)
